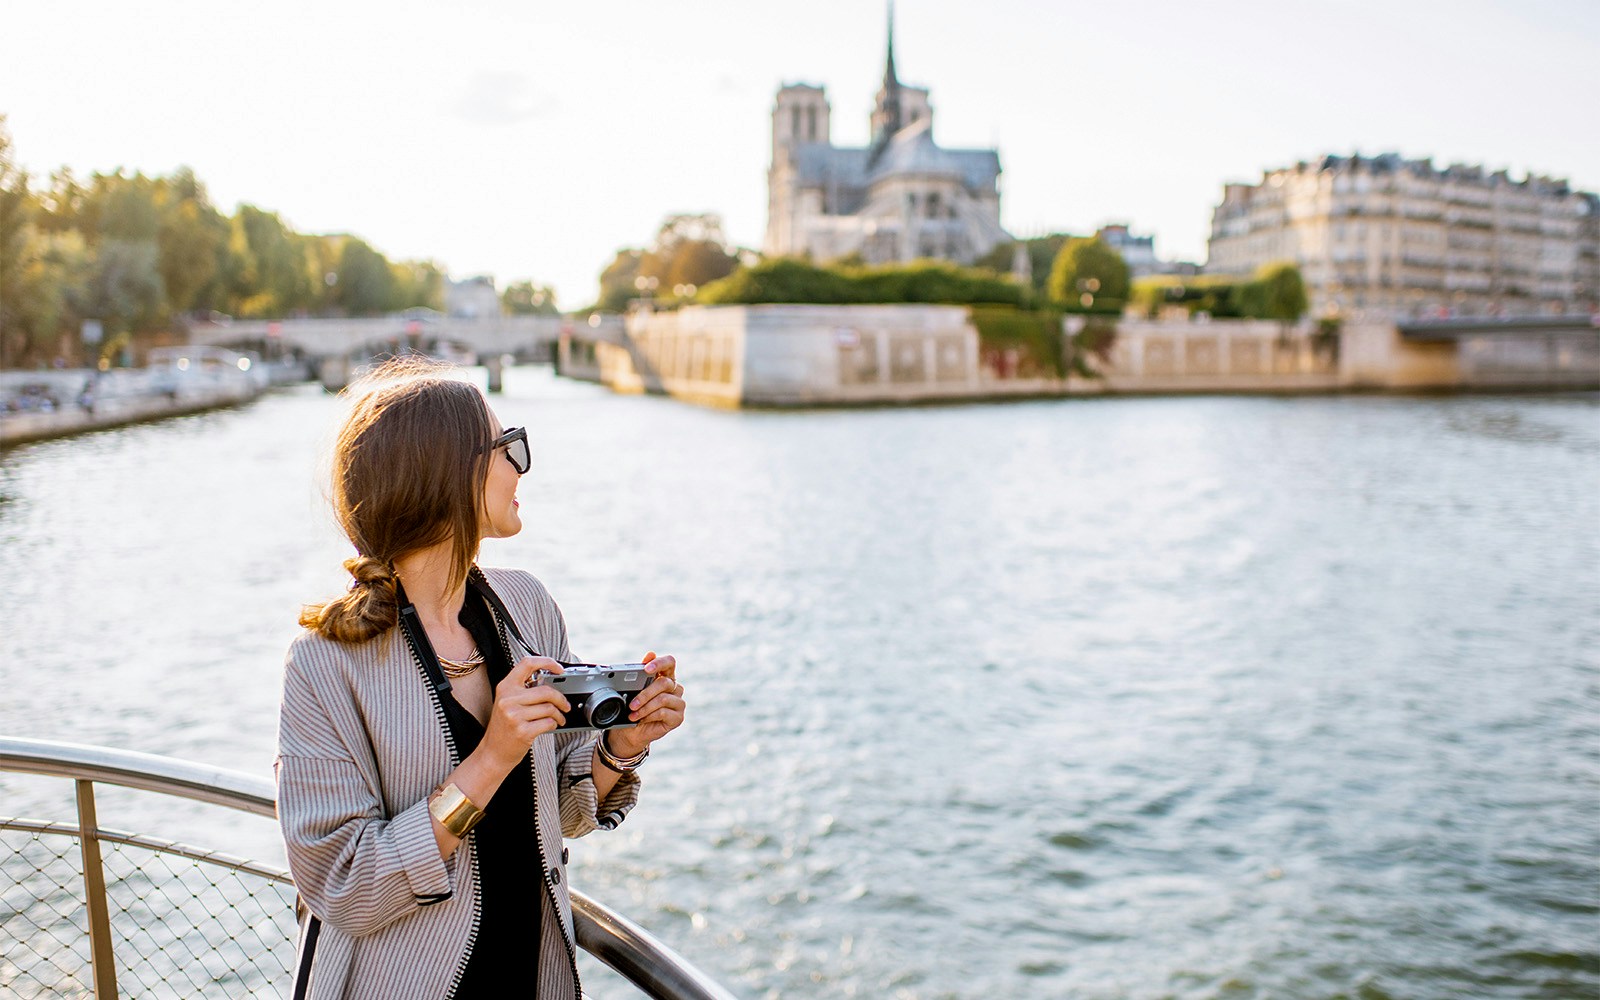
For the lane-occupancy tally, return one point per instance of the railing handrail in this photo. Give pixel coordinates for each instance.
(606, 934)
(145, 771)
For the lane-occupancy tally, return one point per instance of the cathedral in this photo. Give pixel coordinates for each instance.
(900, 198)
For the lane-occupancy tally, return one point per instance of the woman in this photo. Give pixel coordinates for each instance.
(423, 787)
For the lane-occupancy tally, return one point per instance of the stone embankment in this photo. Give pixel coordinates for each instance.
(802, 355)
(36, 405)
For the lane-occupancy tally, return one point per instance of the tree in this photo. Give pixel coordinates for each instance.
(617, 281)
(269, 274)
(1042, 252)
(523, 298)
(366, 286)
(697, 263)
(417, 283)
(17, 211)
(39, 268)
(192, 237)
(1088, 275)
(689, 252)
(1283, 293)
(124, 288)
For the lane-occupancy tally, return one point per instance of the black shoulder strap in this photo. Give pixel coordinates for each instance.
(417, 639)
(308, 950)
(481, 583)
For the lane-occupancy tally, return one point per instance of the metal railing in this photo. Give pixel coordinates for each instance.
(130, 912)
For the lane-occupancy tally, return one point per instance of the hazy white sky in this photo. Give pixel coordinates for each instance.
(528, 139)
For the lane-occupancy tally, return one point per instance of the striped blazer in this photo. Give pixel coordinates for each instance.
(361, 745)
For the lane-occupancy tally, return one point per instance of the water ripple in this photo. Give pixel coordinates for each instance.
(1113, 698)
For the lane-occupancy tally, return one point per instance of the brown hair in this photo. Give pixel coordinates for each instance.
(408, 472)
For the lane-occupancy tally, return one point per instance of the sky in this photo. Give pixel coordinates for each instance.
(532, 140)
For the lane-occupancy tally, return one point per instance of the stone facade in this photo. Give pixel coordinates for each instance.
(1399, 238)
(814, 355)
(901, 198)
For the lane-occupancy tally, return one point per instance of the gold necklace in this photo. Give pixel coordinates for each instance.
(461, 668)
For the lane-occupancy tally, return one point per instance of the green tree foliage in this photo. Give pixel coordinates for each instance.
(18, 252)
(1283, 292)
(1042, 252)
(418, 283)
(790, 279)
(1033, 337)
(689, 252)
(124, 290)
(524, 298)
(617, 281)
(1277, 292)
(1216, 295)
(1088, 276)
(192, 237)
(270, 277)
(140, 253)
(365, 284)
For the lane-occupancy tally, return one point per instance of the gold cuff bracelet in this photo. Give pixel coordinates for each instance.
(454, 811)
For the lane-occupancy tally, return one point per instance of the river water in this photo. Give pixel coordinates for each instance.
(1200, 697)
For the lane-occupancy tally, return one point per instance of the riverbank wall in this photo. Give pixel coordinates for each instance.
(804, 355)
(71, 401)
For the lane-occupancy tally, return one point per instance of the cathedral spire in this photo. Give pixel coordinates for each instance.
(886, 119)
(889, 78)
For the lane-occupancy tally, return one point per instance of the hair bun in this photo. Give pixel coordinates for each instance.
(367, 571)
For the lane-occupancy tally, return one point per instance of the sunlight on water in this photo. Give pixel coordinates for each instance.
(1115, 698)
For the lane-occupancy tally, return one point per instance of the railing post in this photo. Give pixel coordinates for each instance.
(94, 887)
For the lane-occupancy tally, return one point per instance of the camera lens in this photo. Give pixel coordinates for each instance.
(604, 707)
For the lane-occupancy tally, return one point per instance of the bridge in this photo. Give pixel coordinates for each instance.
(1439, 330)
(334, 348)
(1513, 352)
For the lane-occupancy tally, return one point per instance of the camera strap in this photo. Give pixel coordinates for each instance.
(417, 639)
(480, 583)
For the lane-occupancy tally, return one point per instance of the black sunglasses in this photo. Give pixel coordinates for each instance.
(515, 442)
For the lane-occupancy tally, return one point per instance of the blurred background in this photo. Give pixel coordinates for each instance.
(1134, 696)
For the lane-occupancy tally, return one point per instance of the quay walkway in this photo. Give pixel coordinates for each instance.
(37, 405)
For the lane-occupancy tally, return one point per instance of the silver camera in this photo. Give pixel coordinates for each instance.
(599, 694)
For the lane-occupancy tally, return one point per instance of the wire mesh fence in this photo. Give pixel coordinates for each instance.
(171, 920)
(183, 922)
(44, 927)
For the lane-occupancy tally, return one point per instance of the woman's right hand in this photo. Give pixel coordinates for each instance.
(523, 711)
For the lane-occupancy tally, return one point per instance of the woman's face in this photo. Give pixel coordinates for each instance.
(501, 518)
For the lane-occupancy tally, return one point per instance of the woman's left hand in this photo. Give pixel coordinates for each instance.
(658, 709)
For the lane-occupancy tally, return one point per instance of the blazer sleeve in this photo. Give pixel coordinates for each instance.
(581, 810)
(356, 868)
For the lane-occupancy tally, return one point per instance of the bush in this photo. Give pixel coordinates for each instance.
(789, 279)
(1276, 292)
(1089, 276)
(1034, 333)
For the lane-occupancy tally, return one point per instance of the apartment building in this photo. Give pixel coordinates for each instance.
(1385, 235)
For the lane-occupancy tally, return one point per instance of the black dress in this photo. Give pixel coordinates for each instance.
(509, 860)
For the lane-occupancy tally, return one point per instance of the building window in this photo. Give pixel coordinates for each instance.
(811, 124)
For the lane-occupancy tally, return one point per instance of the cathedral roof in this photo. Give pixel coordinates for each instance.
(913, 151)
(910, 151)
